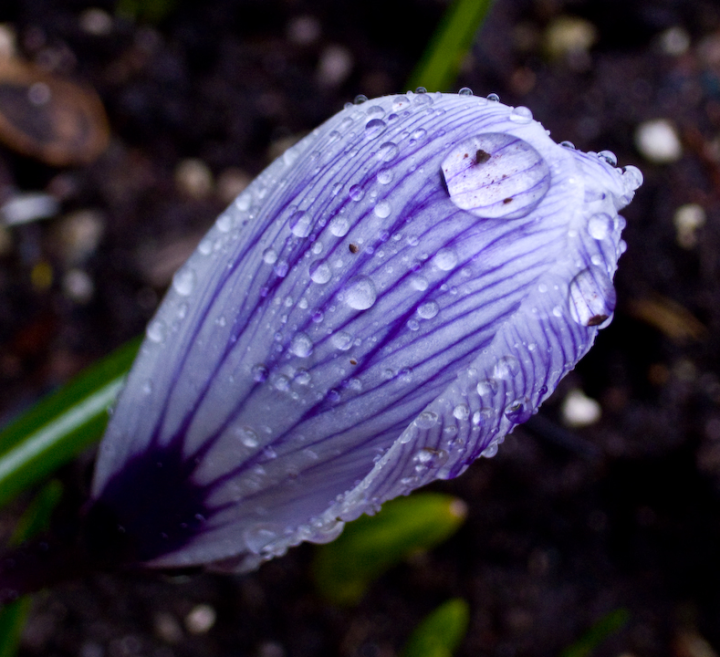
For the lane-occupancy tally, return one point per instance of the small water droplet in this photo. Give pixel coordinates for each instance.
(609, 157)
(600, 225)
(342, 340)
(632, 178)
(301, 224)
(413, 324)
(419, 283)
(519, 410)
(428, 310)
(301, 345)
(248, 437)
(339, 226)
(461, 411)
(427, 458)
(224, 222)
(361, 293)
(493, 98)
(446, 259)
(259, 373)
(486, 387)
(521, 115)
(387, 151)
(360, 99)
(320, 272)
(490, 451)
(269, 256)
(567, 144)
(506, 368)
(184, 281)
(382, 209)
(384, 176)
(281, 269)
(356, 193)
(281, 382)
(426, 420)
(374, 128)
(259, 537)
(482, 417)
(419, 134)
(465, 91)
(156, 331)
(592, 297)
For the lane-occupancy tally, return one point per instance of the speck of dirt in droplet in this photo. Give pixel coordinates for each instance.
(481, 156)
(354, 248)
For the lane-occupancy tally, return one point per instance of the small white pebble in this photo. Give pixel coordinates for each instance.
(167, 627)
(200, 619)
(96, 21)
(688, 218)
(579, 410)
(334, 66)
(80, 233)
(7, 41)
(569, 34)
(194, 178)
(31, 206)
(303, 30)
(658, 141)
(674, 41)
(78, 286)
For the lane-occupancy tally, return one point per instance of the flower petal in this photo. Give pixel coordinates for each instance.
(372, 313)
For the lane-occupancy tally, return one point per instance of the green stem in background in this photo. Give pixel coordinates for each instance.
(441, 632)
(59, 427)
(608, 625)
(440, 63)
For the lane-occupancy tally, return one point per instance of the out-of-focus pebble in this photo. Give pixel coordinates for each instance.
(230, 183)
(41, 276)
(96, 21)
(579, 410)
(569, 34)
(688, 218)
(658, 141)
(79, 234)
(7, 41)
(193, 178)
(334, 66)
(78, 286)
(26, 207)
(167, 627)
(674, 41)
(303, 30)
(200, 619)
(270, 649)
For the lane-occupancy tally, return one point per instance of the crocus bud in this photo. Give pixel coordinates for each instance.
(380, 307)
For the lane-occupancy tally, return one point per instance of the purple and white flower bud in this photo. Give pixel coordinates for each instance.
(381, 306)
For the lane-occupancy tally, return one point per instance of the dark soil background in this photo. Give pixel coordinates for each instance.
(565, 524)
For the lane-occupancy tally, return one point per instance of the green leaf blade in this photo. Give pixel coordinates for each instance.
(441, 632)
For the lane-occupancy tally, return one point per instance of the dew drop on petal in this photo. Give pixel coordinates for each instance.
(632, 178)
(248, 437)
(486, 387)
(384, 176)
(496, 175)
(600, 225)
(521, 115)
(465, 91)
(592, 297)
(426, 420)
(382, 209)
(184, 281)
(342, 340)
(339, 226)
(388, 151)
(461, 412)
(490, 450)
(301, 224)
(374, 128)
(493, 98)
(506, 368)
(419, 283)
(428, 310)
(156, 331)
(519, 410)
(269, 256)
(356, 193)
(259, 536)
(361, 293)
(259, 373)
(320, 272)
(301, 345)
(446, 259)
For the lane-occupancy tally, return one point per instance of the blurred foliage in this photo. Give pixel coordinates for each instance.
(371, 545)
(145, 11)
(441, 632)
(609, 624)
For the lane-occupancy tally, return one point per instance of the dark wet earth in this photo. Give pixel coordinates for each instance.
(579, 515)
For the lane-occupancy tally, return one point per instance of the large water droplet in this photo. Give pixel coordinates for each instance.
(519, 411)
(387, 151)
(269, 256)
(632, 178)
(301, 224)
(184, 281)
(600, 225)
(446, 259)
(521, 115)
(382, 209)
(356, 193)
(592, 297)
(384, 176)
(361, 293)
(428, 310)
(426, 420)
(339, 226)
(301, 345)
(374, 128)
(461, 412)
(342, 340)
(320, 272)
(506, 368)
(496, 175)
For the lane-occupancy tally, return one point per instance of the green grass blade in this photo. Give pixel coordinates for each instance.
(441, 632)
(33, 521)
(370, 545)
(609, 624)
(57, 428)
(439, 66)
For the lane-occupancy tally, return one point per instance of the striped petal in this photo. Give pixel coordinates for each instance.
(379, 308)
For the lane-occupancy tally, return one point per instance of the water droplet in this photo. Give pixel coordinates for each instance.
(600, 225)
(360, 99)
(592, 297)
(521, 115)
(465, 91)
(426, 420)
(519, 411)
(493, 98)
(206, 246)
(419, 283)
(567, 144)
(147, 387)
(303, 378)
(388, 151)
(428, 310)
(632, 178)
(156, 331)
(259, 537)
(342, 340)
(339, 226)
(269, 256)
(384, 176)
(374, 128)
(259, 373)
(184, 281)
(413, 325)
(248, 437)
(361, 293)
(301, 345)
(490, 451)
(320, 272)
(609, 157)
(427, 458)
(224, 222)
(506, 368)
(482, 417)
(486, 387)
(281, 269)
(281, 382)
(382, 209)
(301, 224)
(461, 412)
(496, 175)
(356, 193)
(419, 134)
(446, 259)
